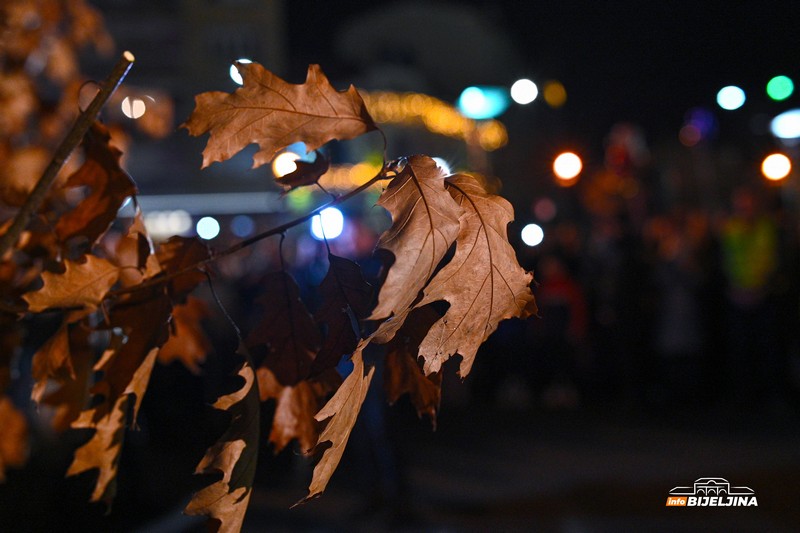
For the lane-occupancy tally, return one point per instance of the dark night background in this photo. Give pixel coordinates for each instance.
(581, 420)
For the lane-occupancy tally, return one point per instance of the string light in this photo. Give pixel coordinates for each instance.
(435, 115)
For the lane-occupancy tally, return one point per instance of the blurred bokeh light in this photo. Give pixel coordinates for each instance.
(207, 228)
(329, 224)
(731, 97)
(524, 91)
(786, 125)
(532, 234)
(567, 166)
(776, 167)
(234, 72)
(554, 94)
(780, 88)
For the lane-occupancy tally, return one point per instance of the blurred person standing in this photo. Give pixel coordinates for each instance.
(749, 242)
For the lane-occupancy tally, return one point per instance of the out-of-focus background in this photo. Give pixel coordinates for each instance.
(650, 153)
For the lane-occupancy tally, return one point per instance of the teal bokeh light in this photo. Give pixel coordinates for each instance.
(483, 102)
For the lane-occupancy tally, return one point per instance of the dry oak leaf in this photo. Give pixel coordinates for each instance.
(109, 184)
(134, 254)
(51, 360)
(295, 407)
(342, 409)
(179, 254)
(144, 321)
(102, 451)
(346, 298)
(305, 174)
(234, 454)
(274, 114)
(13, 437)
(287, 329)
(483, 282)
(70, 370)
(403, 374)
(187, 341)
(425, 222)
(81, 285)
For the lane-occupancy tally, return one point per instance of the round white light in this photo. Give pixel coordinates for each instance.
(207, 228)
(775, 167)
(567, 166)
(532, 234)
(730, 97)
(133, 107)
(441, 163)
(234, 72)
(284, 163)
(328, 224)
(524, 91)
(786, 125)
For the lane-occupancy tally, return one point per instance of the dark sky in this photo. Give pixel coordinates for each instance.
(635, 60)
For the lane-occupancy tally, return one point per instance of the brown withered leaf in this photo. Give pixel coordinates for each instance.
(287, 329)
(295, 407)
(305, 174)
(424, 225)
(483, 282)
(51, 360)
(144, 321)
(109, 184)
(134, 254)
(108, 419)
(178, 254)
(72, 380)
(234, 455)
(342, 409)
(274, 114)
(346, 298)
(187, 341)
(102, 451)
(403, 374)
(81, 285)
(13, 437)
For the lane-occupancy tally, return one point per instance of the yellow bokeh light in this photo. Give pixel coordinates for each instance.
(436, 115)
(554, 94)
(776, 167)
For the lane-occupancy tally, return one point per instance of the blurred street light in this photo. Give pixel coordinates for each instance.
(483, 102)
(328, 224)
(786, 125)
(524, 91)
(731, 97)
(284, 163)
(567, 166)
(234, 72)
(775, 167)
(532, 234)
(207, 228)
(780, 88)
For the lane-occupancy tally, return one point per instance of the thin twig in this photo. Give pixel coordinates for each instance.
(72, 140)
(277, 230)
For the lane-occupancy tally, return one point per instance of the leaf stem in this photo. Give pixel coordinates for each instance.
(72, 140)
